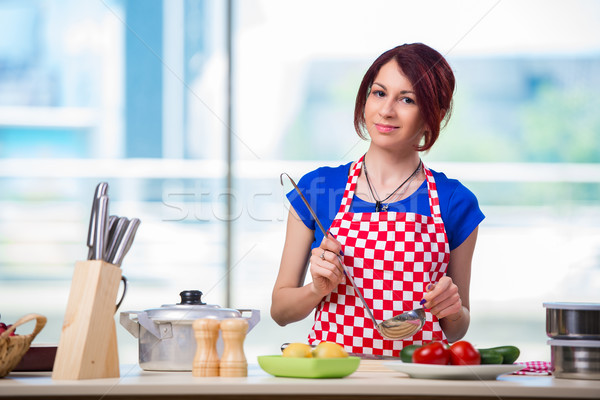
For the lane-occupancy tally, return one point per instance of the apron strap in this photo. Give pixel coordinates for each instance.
(351, 187)
(434, 201)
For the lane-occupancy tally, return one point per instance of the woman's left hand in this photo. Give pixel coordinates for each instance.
(443, 300)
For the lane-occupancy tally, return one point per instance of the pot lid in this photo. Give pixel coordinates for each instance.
(572, 306)
(190, 309)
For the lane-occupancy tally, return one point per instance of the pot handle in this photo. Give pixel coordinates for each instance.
(253, 318)
(129, 324)
(165, 331)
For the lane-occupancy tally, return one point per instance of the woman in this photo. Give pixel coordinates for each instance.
(406, 233)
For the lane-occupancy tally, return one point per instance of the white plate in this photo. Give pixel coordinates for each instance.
(474, 372)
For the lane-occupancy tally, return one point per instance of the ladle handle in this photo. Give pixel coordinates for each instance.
(304, 200)
(357, 290)
(325, 233)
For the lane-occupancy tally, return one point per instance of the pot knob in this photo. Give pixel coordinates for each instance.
(191, 297)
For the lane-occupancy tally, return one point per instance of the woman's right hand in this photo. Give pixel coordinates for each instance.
(325, 266)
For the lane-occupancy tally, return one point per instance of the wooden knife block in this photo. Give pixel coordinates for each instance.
(88, 343)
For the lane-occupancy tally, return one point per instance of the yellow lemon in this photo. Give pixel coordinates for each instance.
(329, 350)
(297, 350)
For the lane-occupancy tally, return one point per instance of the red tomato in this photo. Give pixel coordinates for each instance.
(463, 353)
(432, 353)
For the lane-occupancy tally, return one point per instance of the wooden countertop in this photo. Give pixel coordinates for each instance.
(370, 383)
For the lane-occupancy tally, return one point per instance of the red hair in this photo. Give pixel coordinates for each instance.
(432, 80)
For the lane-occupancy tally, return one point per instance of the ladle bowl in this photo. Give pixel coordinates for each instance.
(403, 325)
(398, 327)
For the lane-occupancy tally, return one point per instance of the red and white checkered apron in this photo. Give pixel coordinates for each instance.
(392, 257)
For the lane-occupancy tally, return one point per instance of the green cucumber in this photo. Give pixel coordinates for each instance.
(407, 352)
(489, 356)
(509, 353)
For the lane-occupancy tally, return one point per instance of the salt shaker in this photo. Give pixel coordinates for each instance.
(233, 360)
(206, 359)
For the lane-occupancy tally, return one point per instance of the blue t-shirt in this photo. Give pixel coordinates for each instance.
(324, 188)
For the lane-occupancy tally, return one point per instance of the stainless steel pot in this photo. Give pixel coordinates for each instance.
(166, 337)
(575, 359)
(573, 320)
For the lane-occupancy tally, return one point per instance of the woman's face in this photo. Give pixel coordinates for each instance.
(392, 114)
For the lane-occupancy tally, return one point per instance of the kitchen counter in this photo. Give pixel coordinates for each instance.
(367, 383)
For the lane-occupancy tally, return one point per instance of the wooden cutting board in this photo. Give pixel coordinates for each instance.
(373, 366)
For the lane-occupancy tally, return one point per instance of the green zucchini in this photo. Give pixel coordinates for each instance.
(407, 352)
(489, 356)
(509, 354)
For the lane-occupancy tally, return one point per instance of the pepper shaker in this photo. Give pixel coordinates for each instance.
(233, 361)
(206, 359)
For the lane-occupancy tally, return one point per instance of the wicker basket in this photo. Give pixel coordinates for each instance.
(13, 348)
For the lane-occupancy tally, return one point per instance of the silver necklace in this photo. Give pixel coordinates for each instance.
(379, 204)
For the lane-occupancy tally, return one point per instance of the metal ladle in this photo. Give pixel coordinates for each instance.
(398, 327)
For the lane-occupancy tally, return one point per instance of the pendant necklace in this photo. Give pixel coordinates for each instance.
(379, 206)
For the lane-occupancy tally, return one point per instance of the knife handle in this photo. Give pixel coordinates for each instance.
(125, 242)
(114, 238)
(100, 229)
(101, 190)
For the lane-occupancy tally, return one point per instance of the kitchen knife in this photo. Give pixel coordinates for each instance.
(101, 190)
(112, 222)
(126, 242)
(100, 228)
(115, 238)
